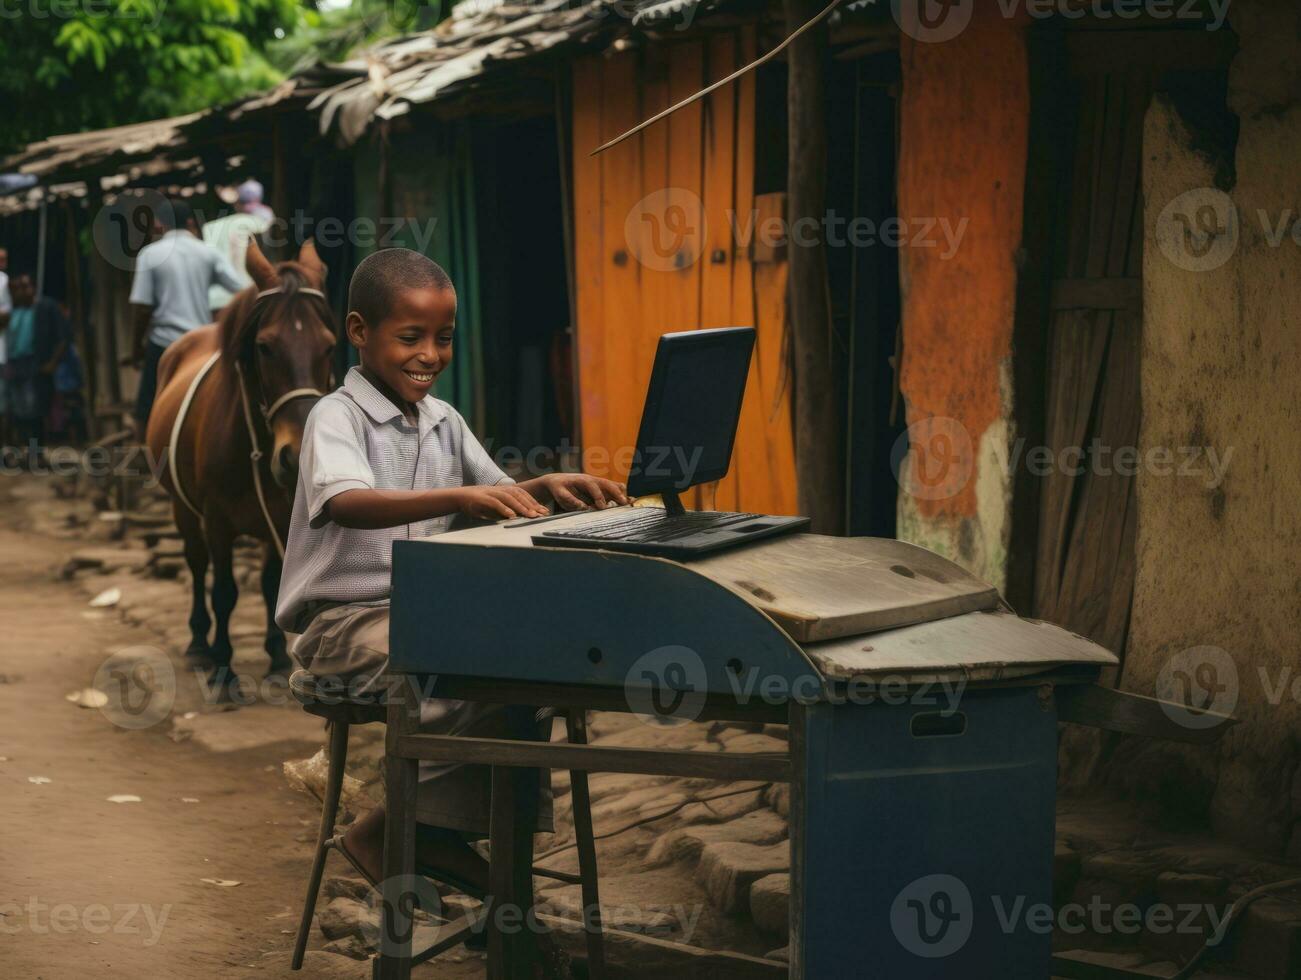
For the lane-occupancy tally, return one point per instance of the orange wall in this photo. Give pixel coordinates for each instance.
(676, 189)
(964, 127)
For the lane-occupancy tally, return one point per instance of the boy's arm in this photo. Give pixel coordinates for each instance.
(369, 509)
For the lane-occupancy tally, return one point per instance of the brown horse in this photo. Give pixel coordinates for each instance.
(260, 369)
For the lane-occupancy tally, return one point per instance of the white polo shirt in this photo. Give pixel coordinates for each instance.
(355, 438)
(173, 275)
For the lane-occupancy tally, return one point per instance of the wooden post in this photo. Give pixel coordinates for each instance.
(819, 428)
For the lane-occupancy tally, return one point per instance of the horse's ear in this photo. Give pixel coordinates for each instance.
(261, 271)
(311, 261)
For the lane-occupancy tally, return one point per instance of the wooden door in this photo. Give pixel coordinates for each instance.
(1084, 568)
(662, 242)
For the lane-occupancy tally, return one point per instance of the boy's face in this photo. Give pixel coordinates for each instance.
(410, 347)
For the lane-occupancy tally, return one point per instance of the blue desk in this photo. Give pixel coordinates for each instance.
(921, 813)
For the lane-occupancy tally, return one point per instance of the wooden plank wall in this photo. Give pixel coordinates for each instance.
(705, 153)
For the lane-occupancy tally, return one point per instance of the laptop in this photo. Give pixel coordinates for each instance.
(688, 428)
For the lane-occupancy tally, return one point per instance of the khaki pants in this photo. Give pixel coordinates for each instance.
(348, 646)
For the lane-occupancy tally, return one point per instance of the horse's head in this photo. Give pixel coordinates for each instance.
(282, 337)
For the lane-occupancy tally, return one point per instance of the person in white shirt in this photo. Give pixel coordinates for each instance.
(231, 234)
(169, 295)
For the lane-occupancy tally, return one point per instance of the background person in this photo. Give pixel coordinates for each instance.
(169, 295)
(231, 234)
(38, 335)
(6, 307)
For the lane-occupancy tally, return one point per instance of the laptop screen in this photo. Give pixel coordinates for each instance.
(693, 404)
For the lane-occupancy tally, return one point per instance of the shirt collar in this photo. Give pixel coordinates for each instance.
(375, 404)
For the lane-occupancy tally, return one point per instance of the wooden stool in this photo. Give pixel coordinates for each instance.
(340, 715)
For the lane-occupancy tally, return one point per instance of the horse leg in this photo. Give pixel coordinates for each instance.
(225, 593)
(196, 558)
(275, 642)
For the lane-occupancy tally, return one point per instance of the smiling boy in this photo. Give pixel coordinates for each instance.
(383, 460)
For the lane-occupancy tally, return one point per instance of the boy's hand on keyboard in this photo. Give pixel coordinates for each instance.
(500, 502)
(578, 491)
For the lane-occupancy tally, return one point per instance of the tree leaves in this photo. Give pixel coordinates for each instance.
(87, 65)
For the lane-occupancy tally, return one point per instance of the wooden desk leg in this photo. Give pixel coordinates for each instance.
(401, 777)
(576, 729)
(512, 943)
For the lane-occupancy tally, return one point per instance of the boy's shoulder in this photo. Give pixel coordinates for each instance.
(337, 407)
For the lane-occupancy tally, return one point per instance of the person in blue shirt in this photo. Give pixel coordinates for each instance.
(169, 294)
(36, 338)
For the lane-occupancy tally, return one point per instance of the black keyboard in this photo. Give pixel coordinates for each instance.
(653, 526)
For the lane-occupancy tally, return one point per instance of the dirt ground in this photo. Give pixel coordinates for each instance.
(91, 887)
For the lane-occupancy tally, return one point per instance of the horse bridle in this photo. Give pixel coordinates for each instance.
(269, 412)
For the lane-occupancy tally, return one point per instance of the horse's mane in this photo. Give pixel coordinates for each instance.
(235, 323)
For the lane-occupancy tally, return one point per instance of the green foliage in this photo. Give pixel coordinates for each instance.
(71, 65)
(337, 30)
(68, 65)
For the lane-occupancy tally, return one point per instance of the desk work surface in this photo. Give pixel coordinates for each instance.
(870, 607)
(983, 646)
(815, 587)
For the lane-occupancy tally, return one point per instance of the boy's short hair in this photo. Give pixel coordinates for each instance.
(381, 275)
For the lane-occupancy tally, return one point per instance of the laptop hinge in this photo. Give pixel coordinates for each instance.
(672, 504)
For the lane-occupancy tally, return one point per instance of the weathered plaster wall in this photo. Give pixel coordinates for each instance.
(1219, 566)
(964, 130)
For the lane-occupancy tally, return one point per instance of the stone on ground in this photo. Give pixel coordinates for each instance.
(770, 903)
(688, 843)
(345, 917)
(728, 869)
